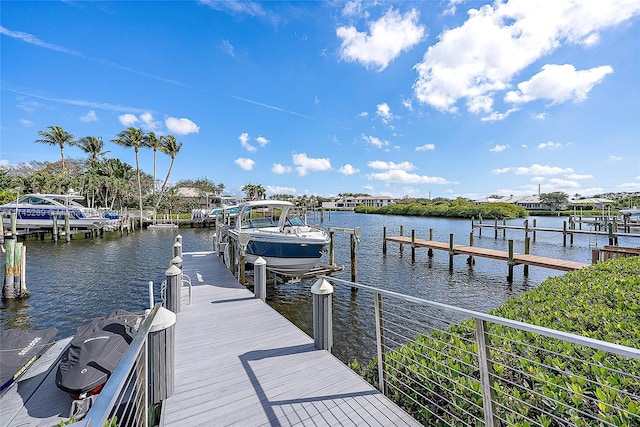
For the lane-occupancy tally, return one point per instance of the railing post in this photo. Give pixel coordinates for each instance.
(260, 278)
(322, 315)
(172, 292)
(161, 356)
(379, 341)
(485, 374)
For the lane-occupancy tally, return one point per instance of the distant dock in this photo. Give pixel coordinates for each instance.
(510, 257)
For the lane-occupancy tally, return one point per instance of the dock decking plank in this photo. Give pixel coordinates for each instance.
(239, 362)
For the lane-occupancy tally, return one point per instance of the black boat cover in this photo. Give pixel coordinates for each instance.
(95, 351)
(18, 350)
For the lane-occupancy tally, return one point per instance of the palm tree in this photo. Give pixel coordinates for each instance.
(254, 191)
(133, 138)
(170, 146)
(57, 136)
(92, 146)
(151, 141)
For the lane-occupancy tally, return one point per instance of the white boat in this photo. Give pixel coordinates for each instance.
(35, 211)
(225, 205)
(288, 245)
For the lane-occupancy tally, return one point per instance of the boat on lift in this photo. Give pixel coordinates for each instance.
(289, 246)
(33, 211)
(225, 205)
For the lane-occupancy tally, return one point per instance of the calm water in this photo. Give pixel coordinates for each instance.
(73, 282)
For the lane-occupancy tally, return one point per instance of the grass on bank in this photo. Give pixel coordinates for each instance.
(538, 375)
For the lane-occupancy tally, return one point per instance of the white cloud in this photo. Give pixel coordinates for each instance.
(363, 114)
(181, 126)
(128, 120)
(495, 116)
(408, 104)
(500, 171)
(244, 163)
(388, 37)
(91, 116)
(558, 184)
(374, 140)
(280, 169)
(383, 110)
(26, 123)
(558, 83)
(380, 164)
(426, 147)
(244, 142)
(352, 8)
(499, 148)
(497, 42)
(305, 164)
(614, 158)
(348, 170)
(539, 116)
(227, 47)
(549, 144)
(262, 141)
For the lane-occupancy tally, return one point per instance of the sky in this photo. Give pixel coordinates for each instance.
(423, 99)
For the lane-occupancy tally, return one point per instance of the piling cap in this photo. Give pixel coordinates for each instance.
(164, 319)
(176, 260)
(260, 261)
(173, 271)
(321, 287)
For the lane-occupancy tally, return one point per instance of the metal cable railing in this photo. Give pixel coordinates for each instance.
(447, 365)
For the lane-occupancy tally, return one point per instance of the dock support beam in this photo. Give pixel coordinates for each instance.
(322, 315)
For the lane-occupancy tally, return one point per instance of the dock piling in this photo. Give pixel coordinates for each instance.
(260, 279)
(172, 291)
(413, 246)
(384, 240)
(510, 262)
(322, 292)
(451, 252)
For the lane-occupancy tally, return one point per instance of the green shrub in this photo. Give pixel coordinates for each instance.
(535, 375)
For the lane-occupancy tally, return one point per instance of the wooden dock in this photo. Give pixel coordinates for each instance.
(514, 259)
(239, 362)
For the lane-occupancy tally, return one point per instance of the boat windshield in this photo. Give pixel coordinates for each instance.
(295, 221)
(34, 200)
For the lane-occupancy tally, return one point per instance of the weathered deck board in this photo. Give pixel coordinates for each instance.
(239, 362)
(526, 259)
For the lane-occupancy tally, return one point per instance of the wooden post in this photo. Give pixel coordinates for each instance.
(611, 239)
(54, 230)
(451, 252)
(232, 256)
(495, 228)
(572, 227)
(67, 228)
(14, 225)
(241, 267)
(23, 273)
(564, 233)
(534, 229)
(9, 290)
(354, 261)
(401, 233)
(430, 251)
(526, 229)
(413, 246)
(470, 259)
(480, 228)
(510, 262)
(504, 229)
(322, 315)
(332, 249)
(384, 240)
(1, 231)
(527, 245)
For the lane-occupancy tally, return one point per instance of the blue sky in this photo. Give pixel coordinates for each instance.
(426, 98)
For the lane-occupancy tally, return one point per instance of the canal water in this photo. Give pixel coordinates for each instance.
(73, 282)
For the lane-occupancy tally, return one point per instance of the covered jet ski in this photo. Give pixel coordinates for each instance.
(95, 351)
(18, 350)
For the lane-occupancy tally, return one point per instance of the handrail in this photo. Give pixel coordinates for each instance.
(541, 330)
(102, 407)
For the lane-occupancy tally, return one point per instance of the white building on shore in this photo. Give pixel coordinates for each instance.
(350, 203)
